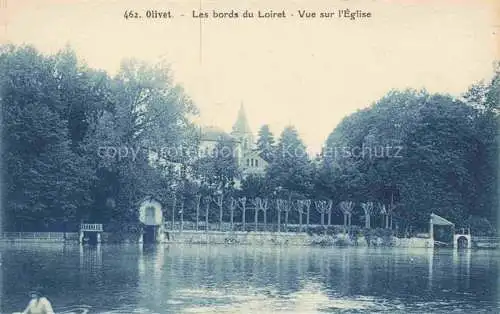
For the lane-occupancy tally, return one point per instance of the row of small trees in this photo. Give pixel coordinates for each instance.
(282, 207)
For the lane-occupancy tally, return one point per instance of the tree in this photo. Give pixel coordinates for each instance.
(232, 206)
(281, 206)
(303, 207)
(484, 96)
(420, 149)
(323, 207)
(149, 115)
(265, 143)
(260, 205)
(242, 202)
(207, 200)
(219, 201)
(382, 208)
(368, 209)
(347, 207)
(291, 168)
(197, 208)
(220, 168)
(85, 140)
(253, 186)
(46, 180)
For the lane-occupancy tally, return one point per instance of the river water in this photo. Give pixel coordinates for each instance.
(239, 279)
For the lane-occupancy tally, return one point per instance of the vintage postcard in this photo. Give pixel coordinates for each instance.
(216, 156)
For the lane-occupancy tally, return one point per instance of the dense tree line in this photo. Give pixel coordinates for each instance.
(407, 155)
(81, 145)
(77, 143)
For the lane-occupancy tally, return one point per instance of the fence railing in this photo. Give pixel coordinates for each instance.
(486, 239)
(227, 227)
(91, 227)
(33, 235)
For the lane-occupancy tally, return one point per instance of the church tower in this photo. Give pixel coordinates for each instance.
(242, 133)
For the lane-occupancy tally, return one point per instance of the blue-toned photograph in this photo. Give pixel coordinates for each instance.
(170, 157)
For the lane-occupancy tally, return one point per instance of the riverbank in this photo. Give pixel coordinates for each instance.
(290, 238)
(251, 238)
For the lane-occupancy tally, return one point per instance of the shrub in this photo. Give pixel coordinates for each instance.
(341, 242)
(480, 226)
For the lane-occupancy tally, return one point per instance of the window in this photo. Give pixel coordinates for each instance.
(248, 162)
(256, 162)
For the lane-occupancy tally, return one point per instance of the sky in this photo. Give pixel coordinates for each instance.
(310, 73)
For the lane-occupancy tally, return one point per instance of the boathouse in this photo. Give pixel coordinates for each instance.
(459, 240)
(151, 217)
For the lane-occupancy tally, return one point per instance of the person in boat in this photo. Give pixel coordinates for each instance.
(38, 304)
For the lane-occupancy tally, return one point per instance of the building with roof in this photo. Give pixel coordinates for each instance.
(247, 155)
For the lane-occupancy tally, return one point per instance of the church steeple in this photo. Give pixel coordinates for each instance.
(242, 132)
(241, 125)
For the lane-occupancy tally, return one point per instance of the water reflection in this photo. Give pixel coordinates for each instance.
(461, 267)
(91, 268)
(90, 258)
(430, 257)
(227, 279)
(343, 275)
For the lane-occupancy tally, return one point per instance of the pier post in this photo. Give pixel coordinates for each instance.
(431, 231)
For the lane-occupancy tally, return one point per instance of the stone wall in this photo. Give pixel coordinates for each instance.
(289, 238)
(413, 242)
(245, 238)
(486, 242)
(236, 237)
